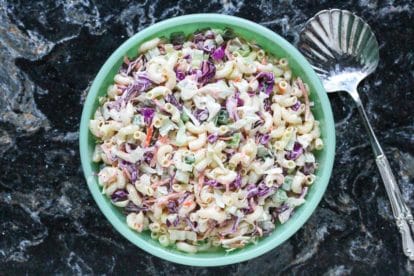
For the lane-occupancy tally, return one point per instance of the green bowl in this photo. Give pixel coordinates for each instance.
(272, 43)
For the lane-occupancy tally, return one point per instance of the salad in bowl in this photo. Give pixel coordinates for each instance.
(205, 141)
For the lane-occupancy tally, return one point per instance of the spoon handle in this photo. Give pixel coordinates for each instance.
(402, 214)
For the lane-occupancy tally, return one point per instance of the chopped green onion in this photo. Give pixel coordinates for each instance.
(184, 117)
(263, 152)
(102, 100)
(235, 140)
(137, 120)
(177, 38)
(228, 34)
(280, 196)
(202, 30)
(181, 138)
(287, 183)
(222, 117)
(189, 159)
(244, 51)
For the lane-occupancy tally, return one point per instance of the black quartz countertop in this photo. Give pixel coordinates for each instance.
(50, 51)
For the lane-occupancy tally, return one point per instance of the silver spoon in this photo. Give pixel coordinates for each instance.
(343, 51)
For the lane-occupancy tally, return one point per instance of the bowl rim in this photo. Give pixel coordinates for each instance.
(159, 251)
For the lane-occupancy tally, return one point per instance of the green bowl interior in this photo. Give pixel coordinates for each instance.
(273, 44)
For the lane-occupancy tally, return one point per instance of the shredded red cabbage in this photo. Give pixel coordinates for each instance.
(132, 208)
(180, 75)
(258, 123)
(132, 64)
(303, 192)
(282, 208)
(116, 104)
(296, 106)
(192, 226)
(208, 71)
(266, 82)
(231, 105)
(259, 190)
(213, 183)
(239, 101)
(198, 40)
(171, 182)
(218, 53)
(119, 195)
(264, 139)
(267, 105)
(236, 184)
(195, 73)
(265, 191)
(172, 207)
(178, 47)
(148, 156)
(252, 192)
(183, 198)
(174, 222)
(236, 222)
(142, 82)
(201, 114)
(198, 37)
(250, 208)
(212, 138)
(235, 225)
(173, 100)
(308, 168)
(148, 114)
(131, 168)
(295, 153)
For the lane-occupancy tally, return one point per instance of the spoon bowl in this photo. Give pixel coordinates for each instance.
(341, 47)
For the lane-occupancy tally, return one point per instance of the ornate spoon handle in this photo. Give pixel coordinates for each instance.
(402, 214)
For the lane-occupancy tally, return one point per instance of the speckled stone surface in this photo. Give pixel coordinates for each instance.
(49, 224)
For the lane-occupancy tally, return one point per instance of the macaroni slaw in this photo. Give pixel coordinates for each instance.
(206, 141)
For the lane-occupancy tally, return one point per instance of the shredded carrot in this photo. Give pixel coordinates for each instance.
(150, 129)
(225, 138)
(150, 200)
(157, 103)
(160, 183)
(154, 158)
(164, 140)
(126, 173)
(187, 203)
(164, 199)
(112, 178)
(252, 203)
